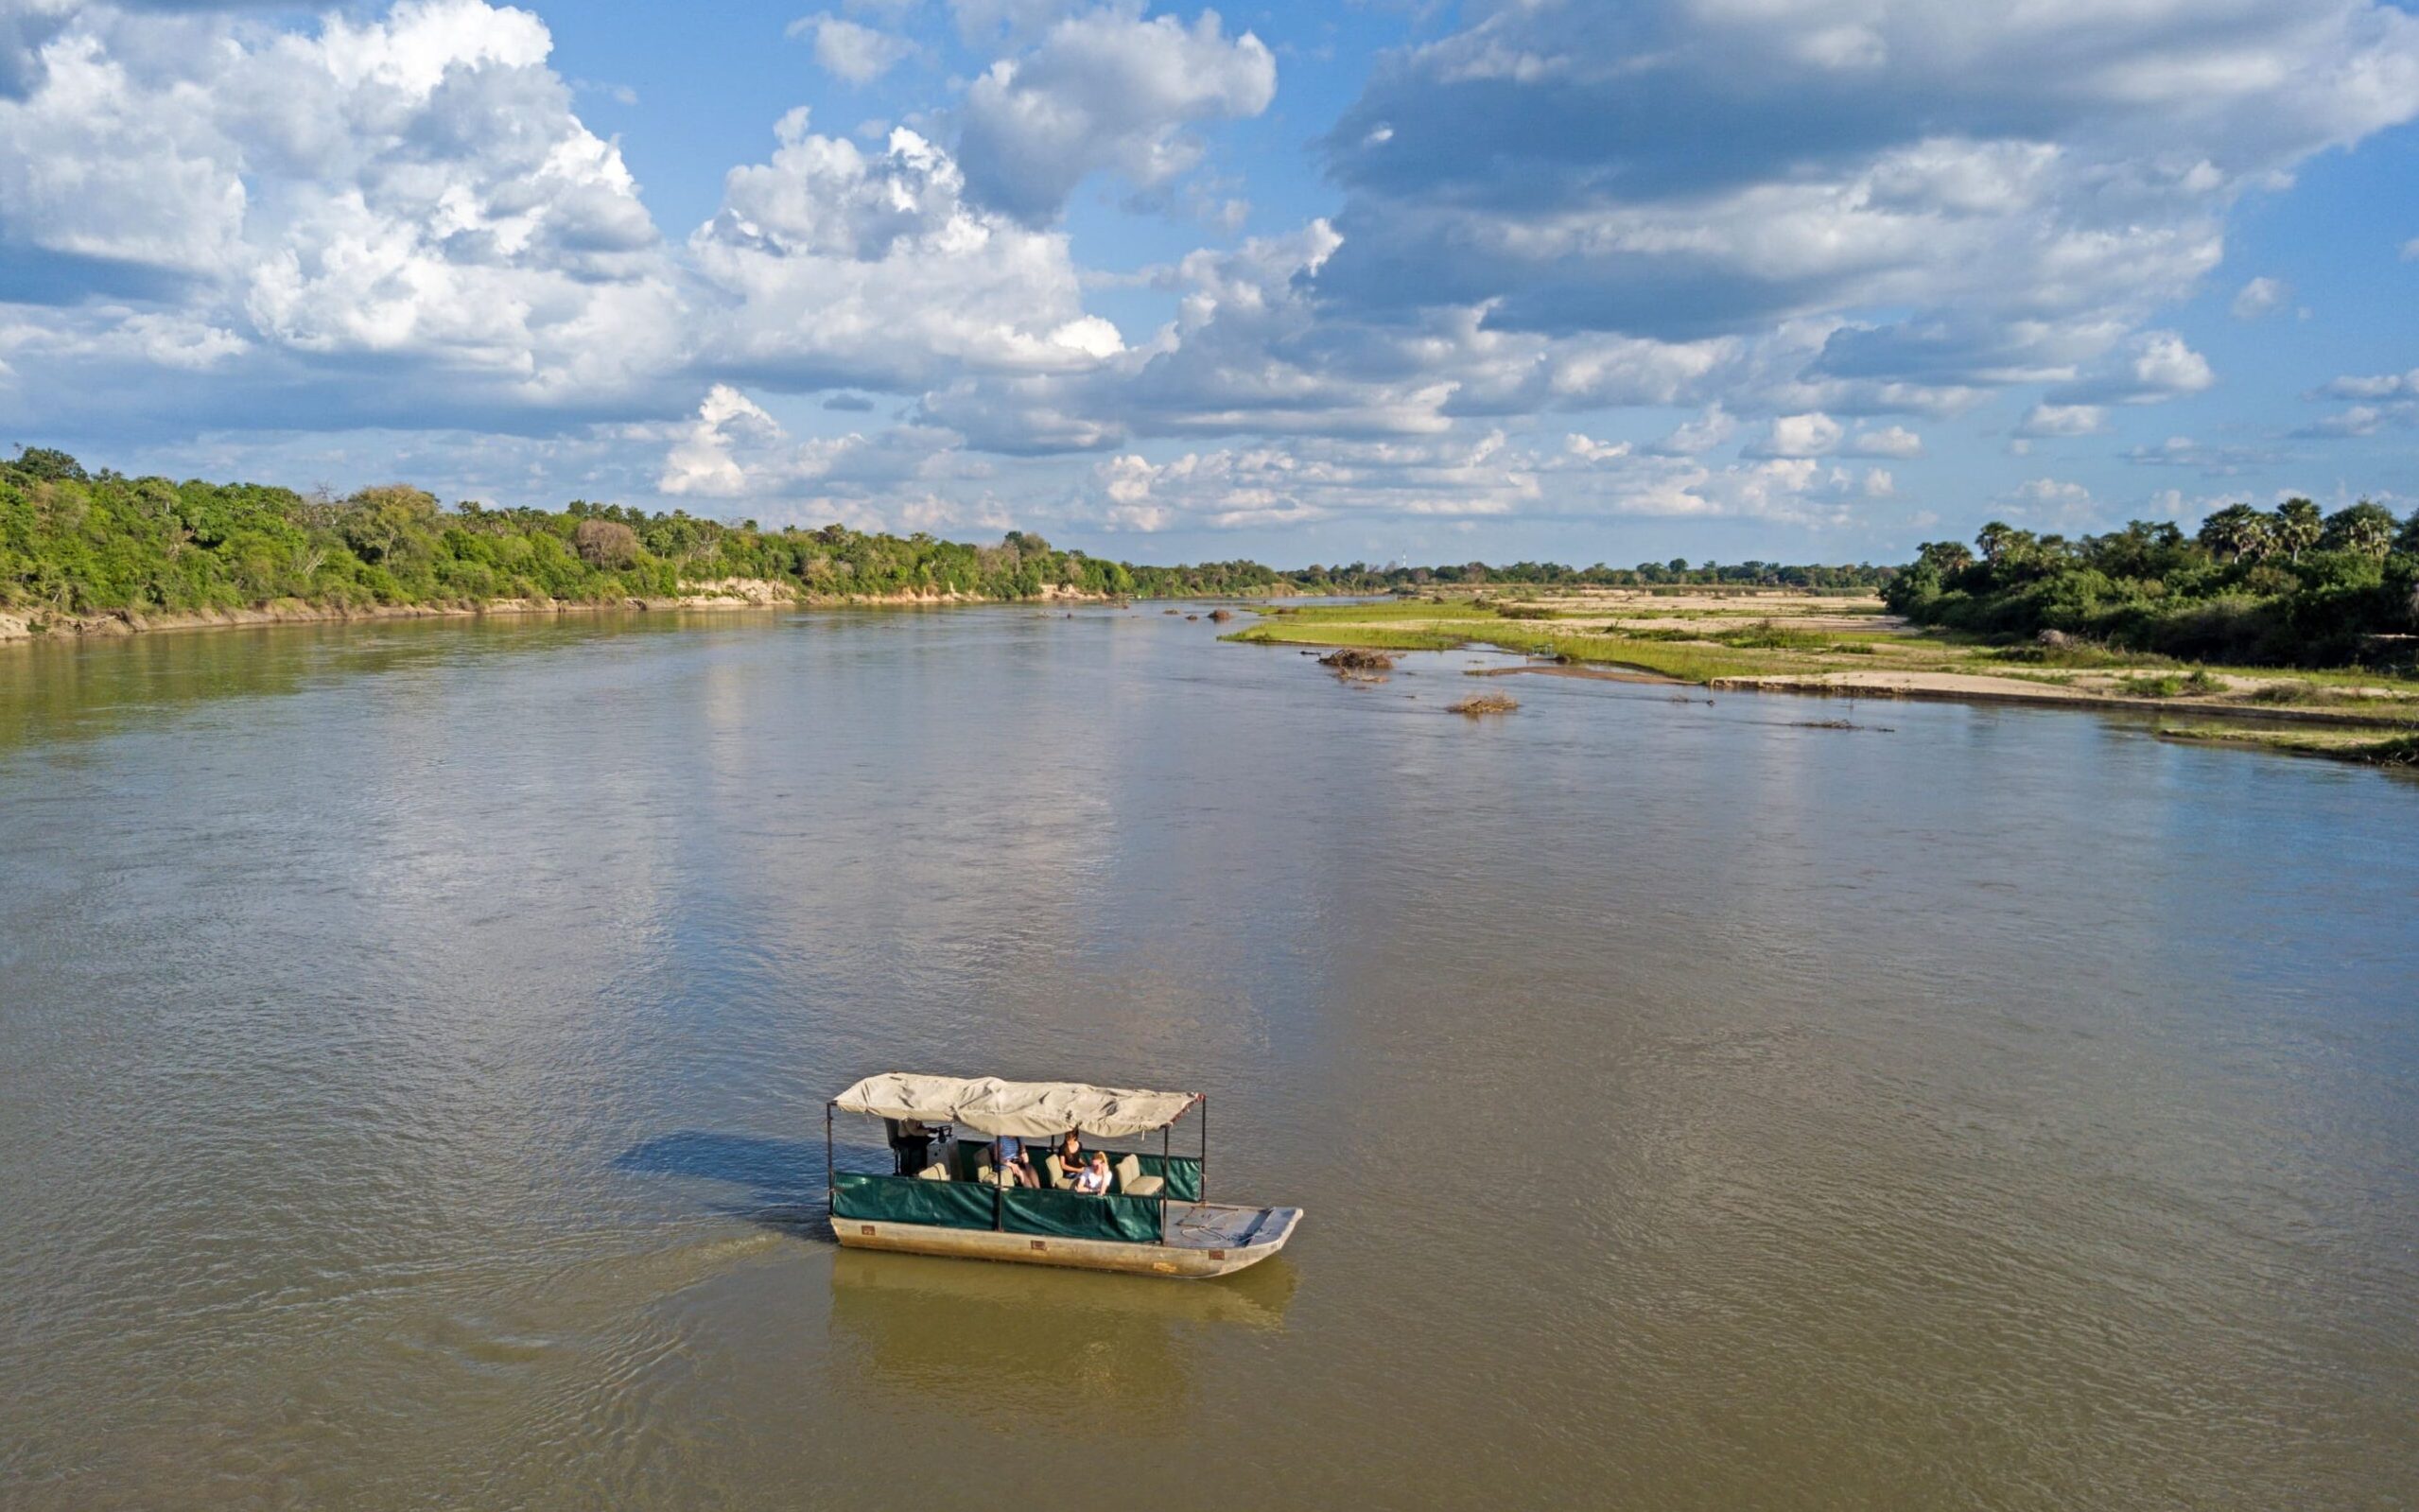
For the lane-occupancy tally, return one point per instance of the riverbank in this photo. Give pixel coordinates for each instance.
(729, 593)
(1847, 645)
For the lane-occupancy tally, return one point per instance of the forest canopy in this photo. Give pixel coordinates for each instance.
(79, 543)
(2289, 586)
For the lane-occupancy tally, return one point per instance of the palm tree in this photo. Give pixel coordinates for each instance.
(2297, 527)
(2235, 531)
(2002, 542)
(1947, 556)
(2365, 527)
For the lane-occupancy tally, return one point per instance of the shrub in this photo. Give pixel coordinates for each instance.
(605, 544)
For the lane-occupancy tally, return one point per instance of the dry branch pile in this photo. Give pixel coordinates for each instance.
(1356, 659)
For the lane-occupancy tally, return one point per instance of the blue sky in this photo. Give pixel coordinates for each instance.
(1783, 279)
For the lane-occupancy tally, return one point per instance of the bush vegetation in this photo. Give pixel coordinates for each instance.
(79, 543)
(2286, 587)
(73, 541)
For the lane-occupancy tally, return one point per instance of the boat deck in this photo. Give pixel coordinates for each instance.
(1212, 1226)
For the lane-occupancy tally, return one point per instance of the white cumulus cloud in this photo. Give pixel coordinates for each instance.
(852, 50)
(846, 267)
(2262, 296)
(1105, 90)
(2050, 421)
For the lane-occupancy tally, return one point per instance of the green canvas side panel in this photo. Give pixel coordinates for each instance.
(1182, 1171)
(1072, 1215)
(906, 1200)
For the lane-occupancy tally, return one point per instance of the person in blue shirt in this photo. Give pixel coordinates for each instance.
(1008, 1157)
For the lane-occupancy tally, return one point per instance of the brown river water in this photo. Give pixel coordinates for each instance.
(413, 1043)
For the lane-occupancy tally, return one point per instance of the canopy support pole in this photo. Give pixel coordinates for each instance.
(831, 1186)
(1205, 1148)
(1164, 1136)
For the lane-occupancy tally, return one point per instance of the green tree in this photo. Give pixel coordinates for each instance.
(384, 524)
(2236, 532)
(1944, 557)
(2365, 527)
(48, 464)
(2000, 541)
(2297, 528)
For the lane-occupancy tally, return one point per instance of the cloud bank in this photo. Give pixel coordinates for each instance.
(1673, 259)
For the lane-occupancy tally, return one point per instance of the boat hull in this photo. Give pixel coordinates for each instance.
(1207, 1241)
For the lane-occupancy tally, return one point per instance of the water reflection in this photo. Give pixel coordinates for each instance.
(1010, 1345)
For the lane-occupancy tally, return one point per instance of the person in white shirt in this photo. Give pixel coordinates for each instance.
(1092, 1181)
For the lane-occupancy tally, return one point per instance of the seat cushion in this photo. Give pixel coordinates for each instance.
(1055, 1170)
(1145, 1185)
(1129, 1170)
(935, 1171)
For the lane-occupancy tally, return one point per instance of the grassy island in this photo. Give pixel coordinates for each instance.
(1771, 639)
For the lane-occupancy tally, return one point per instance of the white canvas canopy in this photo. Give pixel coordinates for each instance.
(1029, 1110)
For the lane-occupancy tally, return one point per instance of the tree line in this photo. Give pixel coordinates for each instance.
(77, 543)
(73, 541)
(2290, 586)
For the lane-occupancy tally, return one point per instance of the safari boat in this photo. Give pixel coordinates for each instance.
(1154, 1220)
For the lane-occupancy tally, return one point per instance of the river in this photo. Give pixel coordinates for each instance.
(414, 1038)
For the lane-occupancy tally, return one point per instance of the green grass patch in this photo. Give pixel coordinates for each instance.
(2393, 684)
(1770, 634)
(2400, 748)
(1376, 637)
(2074, 654)
(2172, 684)
(1385, 612)
(1690, 662)
(2169, 684)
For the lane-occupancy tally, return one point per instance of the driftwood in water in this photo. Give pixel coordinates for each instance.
(1356, 659)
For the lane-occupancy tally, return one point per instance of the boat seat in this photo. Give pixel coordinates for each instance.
(987, 1173)
(935, 1171)
(1132, 1183)
(1055, 1170)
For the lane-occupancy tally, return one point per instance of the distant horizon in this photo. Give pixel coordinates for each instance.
(1676, 564)
(1805, 282)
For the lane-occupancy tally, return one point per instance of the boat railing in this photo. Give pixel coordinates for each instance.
(863, 1197)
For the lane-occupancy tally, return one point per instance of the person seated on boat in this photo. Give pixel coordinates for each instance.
(1072, 1157)
(1009, 1159)
(1092, 1181)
